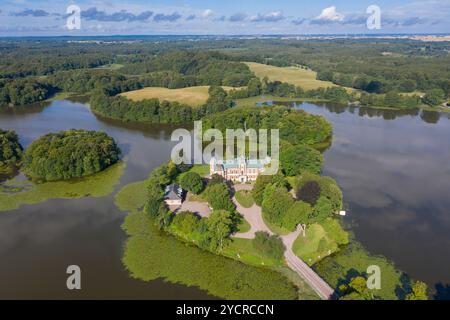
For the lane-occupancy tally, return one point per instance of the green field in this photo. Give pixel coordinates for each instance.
(244, 197)
(201, 169)
(243, 250)
(321, 241)
(304, 78)
(192, 96)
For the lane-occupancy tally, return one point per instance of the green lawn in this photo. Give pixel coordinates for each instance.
(321, 241)
(244, 226)
(243, 250)
(245, 199)
(201, 169)
(274, 228)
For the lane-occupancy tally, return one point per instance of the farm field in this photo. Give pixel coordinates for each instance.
(192, 96)
(294, 75)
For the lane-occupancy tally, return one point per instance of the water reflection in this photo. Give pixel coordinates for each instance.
(38, 242)
(385, 113)
(393, 166)
(395, 175)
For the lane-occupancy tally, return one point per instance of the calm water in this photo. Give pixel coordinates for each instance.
(38, 242)
(394, 170)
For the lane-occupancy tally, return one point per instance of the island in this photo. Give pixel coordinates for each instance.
(11, 151)
(70, 154)
(288, 221)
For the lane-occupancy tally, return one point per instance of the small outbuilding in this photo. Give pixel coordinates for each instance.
(173, 195)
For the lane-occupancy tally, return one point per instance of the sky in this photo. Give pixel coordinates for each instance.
(225, 17)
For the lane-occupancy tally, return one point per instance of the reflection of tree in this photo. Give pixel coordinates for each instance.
(387, 114)
(430, 116)
(442, 291)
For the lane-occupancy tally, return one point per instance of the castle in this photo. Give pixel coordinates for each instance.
(239, 169)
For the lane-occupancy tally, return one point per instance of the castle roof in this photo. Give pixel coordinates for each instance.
(173, 192)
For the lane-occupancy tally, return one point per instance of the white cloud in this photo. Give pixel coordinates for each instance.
(330, 14)
(207, 13)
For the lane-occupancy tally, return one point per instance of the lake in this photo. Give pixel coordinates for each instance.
(393, 167)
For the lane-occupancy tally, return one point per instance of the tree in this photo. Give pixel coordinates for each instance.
(434, 97)
(298, 213)
(309, 192)
(357, 290)
(192, 181)
(219, 197)
(277, 201)
(374, 87)
(70, 154)
(322, 210)
(216, 178)
(392, 99)
(186, 222)
(10, 148)
(254, 87)
(269, 245)
(298, 159)
(262, 182)
(220, 225)
(419, 291)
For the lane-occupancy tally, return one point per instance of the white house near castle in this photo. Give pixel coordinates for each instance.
(239, 169)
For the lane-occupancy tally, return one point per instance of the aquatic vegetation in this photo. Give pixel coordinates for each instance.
(150, 254)
(13, 193)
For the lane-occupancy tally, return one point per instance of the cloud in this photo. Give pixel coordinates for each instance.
(30, 12)
(94, 14)
(238, 17)
(222, 18)
(207, 13)
(328, 15)
(299, 21)
(268, 17)
(191, 17)
(161, 17)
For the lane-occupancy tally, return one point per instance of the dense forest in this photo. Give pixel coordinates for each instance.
(155, 111)
(375, 66)
(10, 149)
(296, 126)
(35, 70)
(70, 154)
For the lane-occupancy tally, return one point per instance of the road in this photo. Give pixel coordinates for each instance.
(254, 217)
